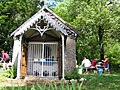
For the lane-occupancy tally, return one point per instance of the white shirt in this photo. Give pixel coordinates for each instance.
(86, 63)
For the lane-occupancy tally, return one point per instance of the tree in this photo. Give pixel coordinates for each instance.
(96, 20)
(12, 14)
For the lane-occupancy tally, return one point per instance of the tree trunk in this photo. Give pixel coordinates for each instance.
(100, 35)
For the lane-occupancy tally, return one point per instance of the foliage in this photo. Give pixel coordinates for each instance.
(102, 82)
(12, 14)
(62, 11)
(98, 22)
(50, 86)
(94, 82)
(95, 21)
(11, 72)
(114, 54)
(2, 75)
(73, 75)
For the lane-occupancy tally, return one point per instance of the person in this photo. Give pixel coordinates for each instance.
(94, 66)
(5, 57)
(86, 64)
(106, 64)
(94, 62)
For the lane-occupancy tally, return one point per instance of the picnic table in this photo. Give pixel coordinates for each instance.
(95, 69)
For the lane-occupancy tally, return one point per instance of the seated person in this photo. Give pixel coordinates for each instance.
(94, 62)
(86, 64)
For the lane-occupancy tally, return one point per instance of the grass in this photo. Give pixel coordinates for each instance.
(93, 82)
(2, 75)
(62, 86)
(102, 82)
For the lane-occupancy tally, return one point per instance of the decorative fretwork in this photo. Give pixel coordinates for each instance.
(43, 20)
(42, 26)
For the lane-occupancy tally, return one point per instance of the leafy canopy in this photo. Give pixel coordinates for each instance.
(97, 21)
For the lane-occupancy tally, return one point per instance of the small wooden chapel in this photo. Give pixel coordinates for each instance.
(44, 46)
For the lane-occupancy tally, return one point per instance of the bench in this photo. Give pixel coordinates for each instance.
(93, 69)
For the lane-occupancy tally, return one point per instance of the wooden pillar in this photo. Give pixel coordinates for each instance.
(24, 59)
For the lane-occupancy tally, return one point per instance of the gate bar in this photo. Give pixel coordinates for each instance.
(63, 57)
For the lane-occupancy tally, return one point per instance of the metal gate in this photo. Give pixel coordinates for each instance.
(42, 59)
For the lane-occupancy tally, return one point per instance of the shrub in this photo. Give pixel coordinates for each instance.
(73, 75)
(11, 72)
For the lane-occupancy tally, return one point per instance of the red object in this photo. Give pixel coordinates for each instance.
(5, 56)
(105, 63)
(94, 62)
(105, 60)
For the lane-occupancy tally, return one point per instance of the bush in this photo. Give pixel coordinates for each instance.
(73, 75)
(114, 54)
(11, 72)
(114, 57)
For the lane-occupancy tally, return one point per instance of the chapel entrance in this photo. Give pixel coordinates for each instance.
(42, 59)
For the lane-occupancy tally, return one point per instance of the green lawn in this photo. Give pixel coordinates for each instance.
(93, 82)
(102, 82)
(2, 75)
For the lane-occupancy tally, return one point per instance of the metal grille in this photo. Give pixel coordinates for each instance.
(42, 59)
